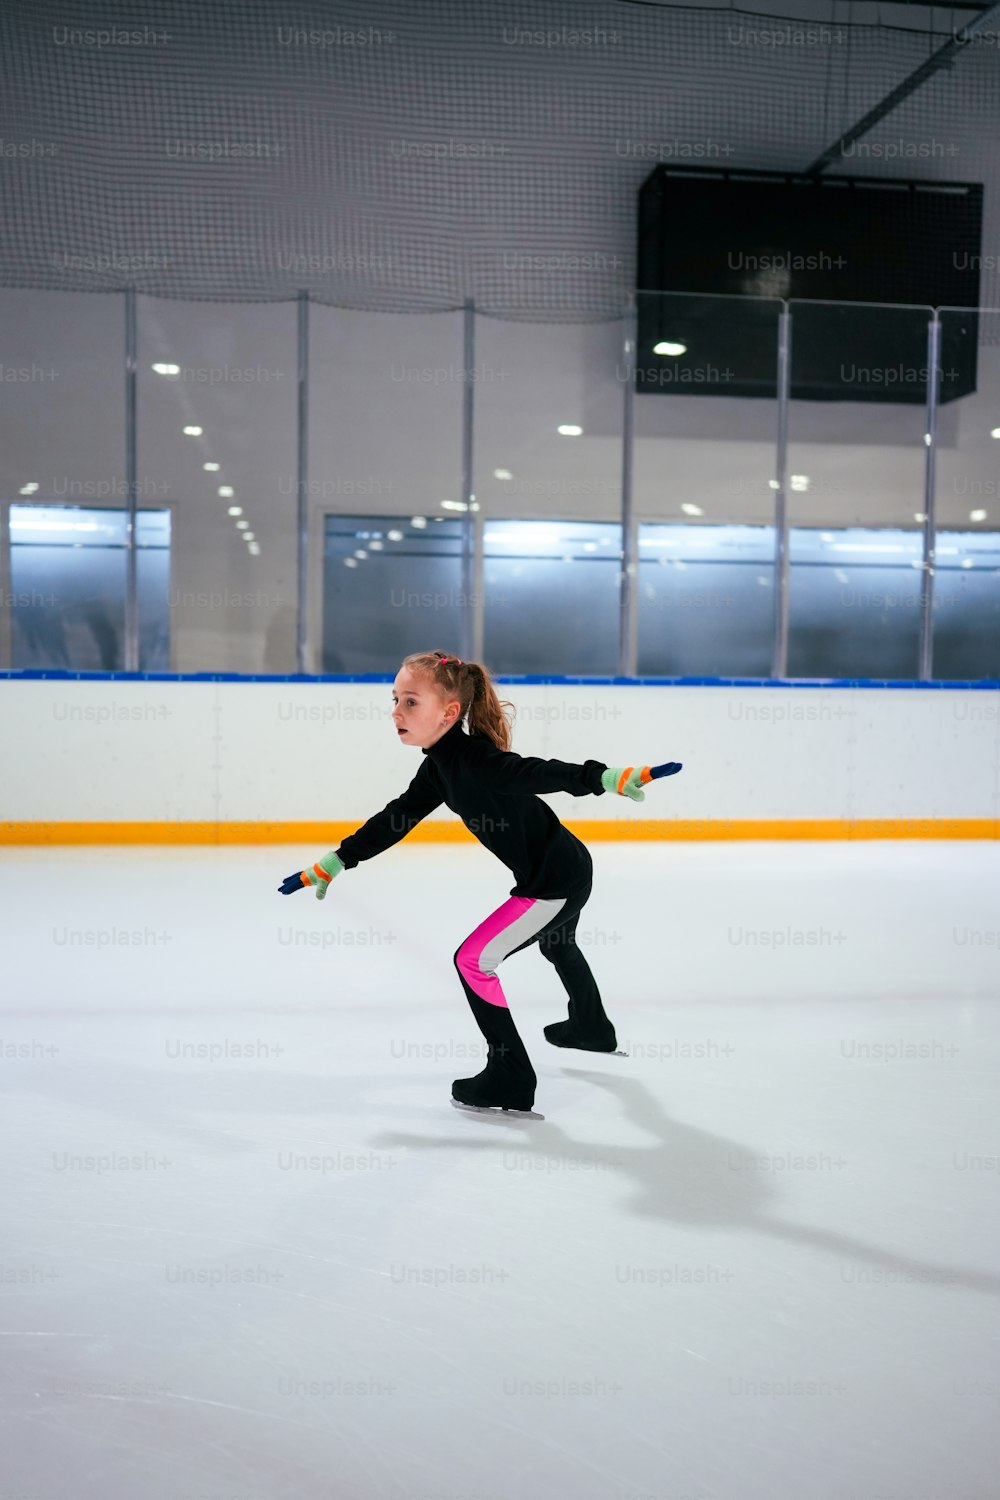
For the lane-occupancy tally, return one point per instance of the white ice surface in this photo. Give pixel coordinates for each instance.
(750, 1261)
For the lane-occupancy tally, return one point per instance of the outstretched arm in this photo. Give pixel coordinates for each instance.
(380, 832)
(394, 822)
(505, 771)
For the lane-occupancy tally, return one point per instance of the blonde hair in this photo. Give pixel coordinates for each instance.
(470, 683)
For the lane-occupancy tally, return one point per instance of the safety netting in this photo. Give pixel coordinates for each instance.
(407, 155)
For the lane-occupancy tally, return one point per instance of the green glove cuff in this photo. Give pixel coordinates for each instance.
(331, 866)
(634, 779)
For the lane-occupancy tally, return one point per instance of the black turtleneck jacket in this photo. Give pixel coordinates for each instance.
(493, 792)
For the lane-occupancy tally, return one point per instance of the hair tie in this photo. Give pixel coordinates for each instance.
(444, 659)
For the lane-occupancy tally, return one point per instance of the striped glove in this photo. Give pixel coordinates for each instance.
(320, 876)
(626, 780)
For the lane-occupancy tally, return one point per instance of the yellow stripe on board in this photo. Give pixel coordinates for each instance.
(592, 831)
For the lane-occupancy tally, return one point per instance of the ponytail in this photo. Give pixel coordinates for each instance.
(471, 684)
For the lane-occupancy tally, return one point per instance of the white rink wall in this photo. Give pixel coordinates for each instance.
(112, 750)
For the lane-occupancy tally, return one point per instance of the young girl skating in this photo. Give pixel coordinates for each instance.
(494, 792)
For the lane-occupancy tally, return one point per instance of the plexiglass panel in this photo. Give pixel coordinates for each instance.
(551, 597)
(967, 504)
(703, 483)
(68, 574)
(706, 600)
(216, 393)
(388, 536)
(856, 477)
(385, 458)
(392, 586)
(548, 425)
(855, 598)
(62, 442)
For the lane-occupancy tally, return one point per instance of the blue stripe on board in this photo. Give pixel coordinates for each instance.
(43, 675)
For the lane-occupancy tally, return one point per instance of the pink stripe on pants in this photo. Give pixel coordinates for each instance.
(514, 923)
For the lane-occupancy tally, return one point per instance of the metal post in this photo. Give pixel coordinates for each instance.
(779, 660)
(471, 627)
(479, 588)
(6, 586)
(131, 652)
(302, 485)
(926, 672)
(628, 634)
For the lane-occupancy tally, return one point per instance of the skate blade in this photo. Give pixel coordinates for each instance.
(596, 1051)
(494, 1109)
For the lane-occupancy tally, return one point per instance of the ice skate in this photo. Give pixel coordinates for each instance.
(563, 1034)
(497, 1090)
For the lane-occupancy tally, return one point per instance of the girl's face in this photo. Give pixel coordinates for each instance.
(418, 710)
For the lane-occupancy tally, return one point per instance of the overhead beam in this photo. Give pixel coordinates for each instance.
(942, 58)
